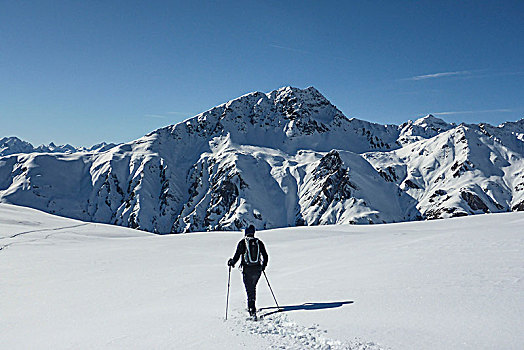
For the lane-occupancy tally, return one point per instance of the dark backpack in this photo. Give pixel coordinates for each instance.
(252, 253)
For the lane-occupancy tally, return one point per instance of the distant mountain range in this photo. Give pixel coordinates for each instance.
(13, 145)
(284, 158)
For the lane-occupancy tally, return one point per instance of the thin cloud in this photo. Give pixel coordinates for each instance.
(501, 110)
(168, 116)
(158, 116)
(179, 113)
(439, 75)
(493, 75)
(464, 74)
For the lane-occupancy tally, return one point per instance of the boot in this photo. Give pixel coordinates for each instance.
(251, 308)
(252, 311)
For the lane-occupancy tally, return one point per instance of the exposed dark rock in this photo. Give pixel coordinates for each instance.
(335, 183)
(374, 141)
(133, 223)
(300, 222)
(388, 174)
(328, 164)
(499, 206)
(439, 193)
(438, 213)
(436, 194)
(474, 202)
(439, 178)
(460, 168)
(411, 184)
(225, 194)
(518, 207)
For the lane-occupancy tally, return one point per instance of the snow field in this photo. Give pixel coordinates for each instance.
(442, 284)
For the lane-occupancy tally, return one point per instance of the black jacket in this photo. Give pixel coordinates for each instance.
(241, 249)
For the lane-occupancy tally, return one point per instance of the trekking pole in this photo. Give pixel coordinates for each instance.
(271, 289)
(228, 283)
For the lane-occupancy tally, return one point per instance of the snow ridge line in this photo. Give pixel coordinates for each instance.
(282, 333)
(46, 229)
(41, 230)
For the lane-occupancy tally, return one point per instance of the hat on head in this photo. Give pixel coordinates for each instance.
(250, 231)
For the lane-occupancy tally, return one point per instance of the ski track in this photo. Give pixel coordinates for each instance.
(282, 333)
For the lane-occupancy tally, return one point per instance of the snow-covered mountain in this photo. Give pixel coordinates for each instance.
(284, 158)
(13, 145)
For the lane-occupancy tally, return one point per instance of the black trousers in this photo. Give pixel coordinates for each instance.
(251, 275)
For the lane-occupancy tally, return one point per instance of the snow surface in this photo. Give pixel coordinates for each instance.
(443, 284)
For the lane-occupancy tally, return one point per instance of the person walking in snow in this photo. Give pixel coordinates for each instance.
(254, 261)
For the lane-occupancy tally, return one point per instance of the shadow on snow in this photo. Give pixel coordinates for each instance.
(304, 307)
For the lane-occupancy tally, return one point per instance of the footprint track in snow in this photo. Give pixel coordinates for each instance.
(283, 333)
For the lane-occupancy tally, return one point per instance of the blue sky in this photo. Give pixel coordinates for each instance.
(82, 72)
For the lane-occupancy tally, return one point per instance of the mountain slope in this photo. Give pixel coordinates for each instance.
(458, 172)
(285, 158)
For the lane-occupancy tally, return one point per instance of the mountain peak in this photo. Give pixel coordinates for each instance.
(430, 120)
(302, 95)
(12, 144)
(518, 125)
(309, 91)
(424, 127)
(307, 104)
(290, 103)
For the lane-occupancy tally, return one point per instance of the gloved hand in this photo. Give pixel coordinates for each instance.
(263, 267)
(230, 263)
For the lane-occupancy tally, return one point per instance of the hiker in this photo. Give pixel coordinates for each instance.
(254, 261)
